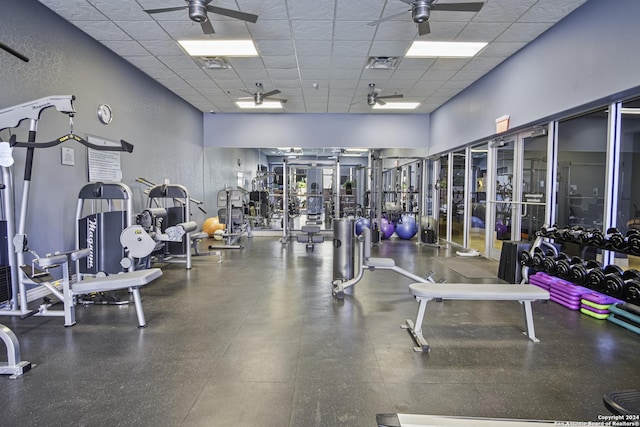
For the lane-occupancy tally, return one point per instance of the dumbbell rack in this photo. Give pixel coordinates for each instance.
(602, 292)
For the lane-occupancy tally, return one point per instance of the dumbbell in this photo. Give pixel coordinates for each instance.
(613, 239)
(563, 267)
(615, 284)
(632, 292)
(580, 272)
(550, 262)
(537, 258)
(574, 234)
(596, 278)
(547, 231)
(592, 237)
(633, 241)
(525, 258)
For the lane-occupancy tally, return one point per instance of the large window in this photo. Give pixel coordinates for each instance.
(582, 153)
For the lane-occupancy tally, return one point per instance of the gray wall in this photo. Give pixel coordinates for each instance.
(166, 131)
(316, 130)
(590, 55)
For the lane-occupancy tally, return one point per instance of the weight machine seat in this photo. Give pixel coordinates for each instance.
(199, 236)
(310, 229)
(625, 402)
(425, 292)
(379, 263)
(116, 281)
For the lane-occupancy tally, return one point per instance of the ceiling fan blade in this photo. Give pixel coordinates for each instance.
(207, 28)
(408, 1)
(233, 14)
(380, 102)
(458, 7)
(13, 52)
(165, 9)
(273, 92)
(424, 28)
(281, 100)
(397, 95)
(387, 18)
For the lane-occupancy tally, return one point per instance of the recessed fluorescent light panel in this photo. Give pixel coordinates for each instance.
(219, 47)
(424, 49)
(396, 106)
(266, 105)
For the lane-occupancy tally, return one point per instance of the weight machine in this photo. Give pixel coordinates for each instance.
(28, 284)
(167, 220)
(313, 197)
(231, 213)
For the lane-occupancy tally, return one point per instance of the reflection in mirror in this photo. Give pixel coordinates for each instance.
(287, 187)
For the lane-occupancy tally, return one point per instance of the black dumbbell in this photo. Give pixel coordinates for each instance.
(563, 267)
(580, 272)
(547, 231)
(632, 292)
(596, 277)
(537, 258)
(614, 240)
(525, 258)
(616, 284)
(633, 241)
(592, 237)
(574, 234)
(550, 262)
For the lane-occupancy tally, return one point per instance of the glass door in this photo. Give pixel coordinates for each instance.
(533, 189)
(443, 199)
(457, 197)
(502, 193)
(478, 196)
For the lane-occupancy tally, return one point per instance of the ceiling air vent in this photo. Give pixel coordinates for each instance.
(382, 62)
(213, 62)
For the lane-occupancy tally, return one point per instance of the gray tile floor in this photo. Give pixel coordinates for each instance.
(258, 340)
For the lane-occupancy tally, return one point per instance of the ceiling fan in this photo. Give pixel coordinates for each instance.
(260, 96)
(373, 98)
(198, 13)
(13, 52)
(421, 11)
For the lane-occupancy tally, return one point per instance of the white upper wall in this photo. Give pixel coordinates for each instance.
(589, 56)
(316, 130)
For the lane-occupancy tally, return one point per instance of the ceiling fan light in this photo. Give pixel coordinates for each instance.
(396, 106)
(266, 105)
(219, 47)
(431, 49)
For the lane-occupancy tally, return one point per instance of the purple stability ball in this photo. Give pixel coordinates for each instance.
(387, 228)
(406, 227)
(362, 223)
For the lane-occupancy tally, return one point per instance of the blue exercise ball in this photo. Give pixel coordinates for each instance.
(362, 223)
(406, 228)
(477, 222)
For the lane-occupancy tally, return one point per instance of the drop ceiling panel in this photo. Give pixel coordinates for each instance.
(308, 43)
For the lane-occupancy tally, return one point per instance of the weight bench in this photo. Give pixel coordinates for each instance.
(424, 292)
(133, 280)
(312, 237)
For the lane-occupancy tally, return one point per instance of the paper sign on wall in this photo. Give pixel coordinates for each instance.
(104, 166)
